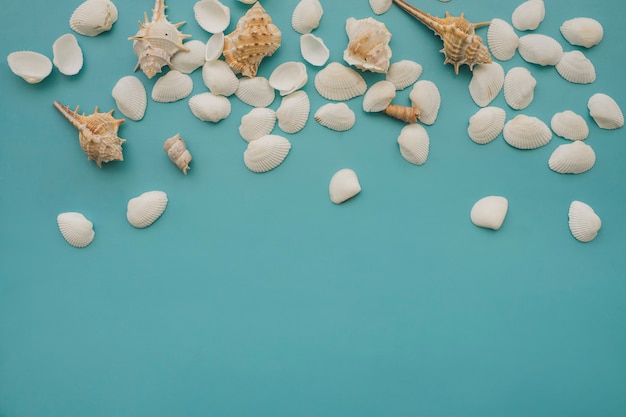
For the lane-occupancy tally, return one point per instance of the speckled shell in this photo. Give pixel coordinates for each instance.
(569, 125)
(335, 116)
(572, 158)
(368, 46)
(486, 83)
(584, 223)
(486, 124)
(526, 132)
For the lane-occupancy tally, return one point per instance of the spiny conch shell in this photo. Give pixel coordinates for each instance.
(338, 82)
(572, 158)
(540, 49)
(605, 111)
(335, 116)
(190, 60)
(368, 47)
(171, 87)
(145, 209)
(569, 125)
(288, 77)
(76, 229)
(528, 15)
(489, 212)
(257, 123)
(519, 88)
(526, 132)
(403, 73)
(502, 40)
(93, 17)
(343, 185)
(425, 96)
(380, 6)
(293, 112)
(97, 133)
(33, 67)
(306, 16)
(414, 144)
(461, 45)
(212, 15)
(314, 50)
(379, 96)
(486, 83)
(209, 107)
(219, 78)
(582, 31)
(214, 47)
(266, 153)
(130, 97)
(584, 223)
(486, 124)
(256, 91)
(157, 41)
(254, 38)
(176, 149)
(68, 57)
(576, 68)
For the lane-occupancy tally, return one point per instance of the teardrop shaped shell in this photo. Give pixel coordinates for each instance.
(526, 132)
(425, 96)
(486, 83)
(403, 73)
(569, 125)
(288, 77)
(343, 185)
(266, 153)
(489, 212)
(257, 123)
(582, 31)
(212, 15)
(176, 148)
(368, 47)
(293, 112)
(172, 87)
(33, 67)
(306, 16)
(584, 223)
(314, 50)
(146, 208)
(335, 116)
(572, 158)
(190, 60)
(130, 97)
(528, 15)
(214, 47)
(256, 91)
(93, 17)
(576, 68)
(379, 96)
(67, 55)
(486, 124)
(219, 78)
(605, 111)
(209, 107)
(519, 88)
(540, 49)
(76, 229)
(338, 82)
(380, 6)
(414, 144)
(502, 40)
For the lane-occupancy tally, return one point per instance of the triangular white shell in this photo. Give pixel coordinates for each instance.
(33, 67)
(572, 158)
(540, 49)
(255, 91)
(582, 31)
(189, 61)
(338, 82)
(214, 47)
(528, 15)
(93, 17)
(425, 96)
(266, 153)
(171, 87)
(257, 123)
(76, 229)
(489, 212)
(576, 68)
(414, 143)
(380, 6)
(288, 77)
(219, 78)
(209, 107)
(502, 39)
(314, 50)
(519, 88)
(335, 116)
(130, 97)
(379, 96)
(306, 16)
(67, 55)
(526, 132)
(403, 73)
(486, 124)
(583, 222)
(293, 112)
(212, 15)
(344, 185)
(569, 125)
(486, 83)
(145, 209)
(605, 111)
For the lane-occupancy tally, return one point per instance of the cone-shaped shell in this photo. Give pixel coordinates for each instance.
(502, 40)
(76, 229)
(486, 124)
(306, 16)
(335, 116)
(293, 112)
(569, 125)
(338, 82)
(582, 31)
(130, 97)
(528, 15)
(68, 57)
(171, 87)
(486, 83)
(219, 78)
(584, 223)
(572, 158)
(414, 143)
(576, 68)
(519, 88)
(489, 212)
(256, 91)
(145, 209)
(257, 123)
(425, 96)
(266, 153)
(368, 47)
(343, 185)
(176, 148)
(403, 73)
(540, 49)
(379, 96)
(288, 77)
(605, 111)
(33, 67)
(526, 132)
(190, 60)
(209, 107)
(212, 15)
(314, 50)
(93, 17)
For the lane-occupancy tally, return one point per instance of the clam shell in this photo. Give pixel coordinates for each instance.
(540, 49)
(584, 223)
(314, 50)
(338, 82)
(212, 15)
(572, 158)
(528, 15)
(33, 67)
(425, 96)
(582, 31)
(569, 125)
(293, 112)
(335, 116)
(486, 83)
(171, 87)
(379, 96)
(257, 123)
(145, 209)
(343, 185)
(67, 55)
(306, 16)
(130, 97)
(403, 73)
(189, 61)
(288, 77)
(605, 111)
(519, 88)
(414, 143)
(526, 132)
(502, 40)
(93, 17)
(219, 78)
(380, 6)
(266, 153)
(576, 68)
(489, 212)
(486, 124)
(368, 47)
(76, 229)
(209, 107)
(255, 91)
(214, 47)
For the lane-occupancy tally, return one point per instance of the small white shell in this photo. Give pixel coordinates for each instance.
(403, 73)
(414, 143)
(130, 97)
(255, 91)
(486, 124)
(189, 61)
(214, 47)
(266, 153)
(486, 83)
(33, 67)
(338, 82)
(209, 107)
(314, 50)
(293, 112)
(502, 40)
(519, 88)
(343, 185)
(526, 132)
(540, 49)
(528, 15)
(489, 212)
(425, 96)
(288, 77)
(93, 17)
(67, 55)
(569, 125)
(605, 111)
(76, 229)
(219, 78)
(176, 149)
(306, 16)
(257, 123)
(380, 6)
(212, 15)
(576, 68)
(171, 87)
(572, 158)
(145, 209)
(335, 116)
(582, 31)
(583, 222)
(379, 96)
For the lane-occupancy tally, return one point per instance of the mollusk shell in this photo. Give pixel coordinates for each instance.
(338, 82)
(425, 96)
(130, 97)
(33, 67)
(288, 77)
(486, 124)
(266, 153)
(380, 6)
(489, 212)
(171, 87)
(335, 116)
(403, 73)
(93, 17)
(257, 123)
(414, 143)
(569, 125)
(209, 107)
(219, 78)
(572, 158)
(502, 40)
(486, 83)
(293, 112)
(145, 209)
(584, 223)
(67, 55)
(576, 68)
(528, 15)
(540, 49)
(306, 16)
(256, 91)
(214, 47)
(605, 111)
(190, 60)
(526, 132)
(76, 229)
(368, 48)
(519, 88)
(314, 50)
(176, 149)
(379, 96)
(582, 31)
(212, 15)
(344, 185)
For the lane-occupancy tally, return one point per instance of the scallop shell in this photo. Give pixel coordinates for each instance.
(414, 143)
(425, 96)
(293, 112)
(130, 97)
(145, 209)
(486, 83)
(540, 49)
(266, 153)
(569, 125)
(572, 158)
(338, 82)
(528, 15)
(33, 67)
(190, 60)
(486, 124)
(314, 50)
(212, 15)
(582, 31)
(526, 132)
(403, 73)
(76, 229)
(209, 107)
(380, 6)
(176, 148)
(584, 223)
(288, 77)
(519, 88)
(68, 57)
(368, 47)
(335, 116)
(219, 78)
(605, 111)
(489, 212)
(171, 87)
(214, 47)
(257, 123)
(576, 68)
(93, 17)
(306, 16)
(379, 96)
(343, 185)
(256, 91)
(502, 39)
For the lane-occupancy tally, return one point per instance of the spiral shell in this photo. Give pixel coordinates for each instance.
(176, 149)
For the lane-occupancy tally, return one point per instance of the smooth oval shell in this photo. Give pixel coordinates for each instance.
(528, 15)
(368, 46)
(288, 77)
(293, 112)
(256, 91)
(540, 49)
(572, 158)
(266, 153)
(344, 185)
(212, 15)
(219, 78)
(414, 143)
(314, 50)
(379, 96)
(335, 116)
(526, 132)
(502, 40)
(171, 87)
(209, 107)
(403, 73)
(214, 47)
(67, 55)
(93, 17)
(338, 82)
(130, 97)
(76, 229)
(33, 67)
(306, 16)
(486, 124)
(425, 96)
(190, 60)
(486, 83)
(257, 123)
(584, 223)
(605, 111)
(489, 212)
(380, 6)
(145, 209)
(569, 125)
(582, 31)
(576, 68)
(519, 88)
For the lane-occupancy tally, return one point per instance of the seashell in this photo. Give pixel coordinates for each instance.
(219, 78)
(380, 6)
(335, 116)
(256, 91)
(338, 82)
(214, 47)
(176, 149)
(209, 107)
(540, 49)
(379, 96)
(306, 16)
(248, 1)
(257, 123)
(33, 67)
(288, 77)
(502, 40)
(489, 212)
(266, 153)
(130, 97)
(528, 15)
(572, 158)
(76, 229)
(171, 87)
(344, 185)
(212, 15)
(461, 45)
(314, 50)
(576, 68)
(254, 38)
(605, 111)
(67, 55)
(582, 31)
(368, 47)
(519, 88)
(190, 60)
(486, 83)
(403, 73)
(486, 124)
(584, 223)
(526, 132)
(97, 133)
(93, 17)
(157, 41)
(293, 112)
(414, 144)
(425, 96)
(145, 209)
(569, 125)
(407, 114)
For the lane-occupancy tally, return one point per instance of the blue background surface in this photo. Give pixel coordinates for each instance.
(254, 295)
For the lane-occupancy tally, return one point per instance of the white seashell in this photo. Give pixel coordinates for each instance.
(248, 1)
(76, 229)
(502, 40)
(403, 73)
(93, 17)
(368, 47)
(288, 77)
(306, 16)
(540, 49)
(569, 125)
(266, 153)
(526, 132)
(335, 116)
(379, 96)
(33, 67)
(344, 185)
(489, 212)
(209, 107)
(425, 96)
(219, 78)
(171, 87)
(572, 158)
(212, 15)
(380, 6)
(583, 222)
(314, 50)
(582, 31)
(257, 123)
(67, 55)
(414, 143)
(189, 61)
(130, 97)
(528, 15)
(605, 111)
(576, 68)
(293, 112)
(486, 83)
(338, 82)
(255, 91)
(214, 47)
(145, 209)
(486, 124)
(519, 88)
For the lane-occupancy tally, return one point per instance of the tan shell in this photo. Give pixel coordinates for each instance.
(176, 149)
(368, 48)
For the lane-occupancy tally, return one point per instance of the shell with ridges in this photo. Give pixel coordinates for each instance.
(219, 78)
(426, 97)
(486, 124)
(403, 73)
(306, 16)
(605, 111)
(379, 96)
(540, 49)
(486, 83)
(130, 97)
(582, 31)
(33, 67)
(368, 47)
(526, 132)
(338, 82)
(256, 91)
(576, 68)
(266, 153)
(190, 60)
(293, 112)
(76, 229)
(212, 15)
(489, 212)
(502, 40)
(569, 125)
(314, 50)
(528, 15)
(209, 107)
(93, 17)
(584, 223)
(176, 148)
(335, 116)
(380, 6)
(67, 55)
(343, 185)
(171, 87)
(572, 158)
(146, 208)
(257, 123)
(288, 77)
(414, 144)
(519, 88)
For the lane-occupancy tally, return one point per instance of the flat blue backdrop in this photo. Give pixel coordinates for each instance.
(254, 295)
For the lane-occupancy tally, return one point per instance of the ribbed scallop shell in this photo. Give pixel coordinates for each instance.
(33, 67)
(569, 125)
(403, 73)
(257, 123)
(582, 31)
(288, 77)
(528, 15)
(171, 87)
(368, 46)
(379, 96)
(380, 6)
(584, 223)
(414, 143)
(486, 83)
(489, 212)
(306, 16)
(540, 49)
(293, 112)
(266, 153)
(130, 97)
(338, 82)
(486, 124)
(605, 111)
(343, 185)
(572, 158)
(145, 209)
(526, 132)
(212, 15)
(209, 107)
(425, 96)
(519, 88)
(76, 229)
(219, 78)
(502, 40)
(68, 57)
(335, 116)
(190, 60)
(214, 47)
(576, 68)
(93, 17)
(314, 50)
(256, 91)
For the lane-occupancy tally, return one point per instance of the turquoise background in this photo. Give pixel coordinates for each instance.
(254, 295)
